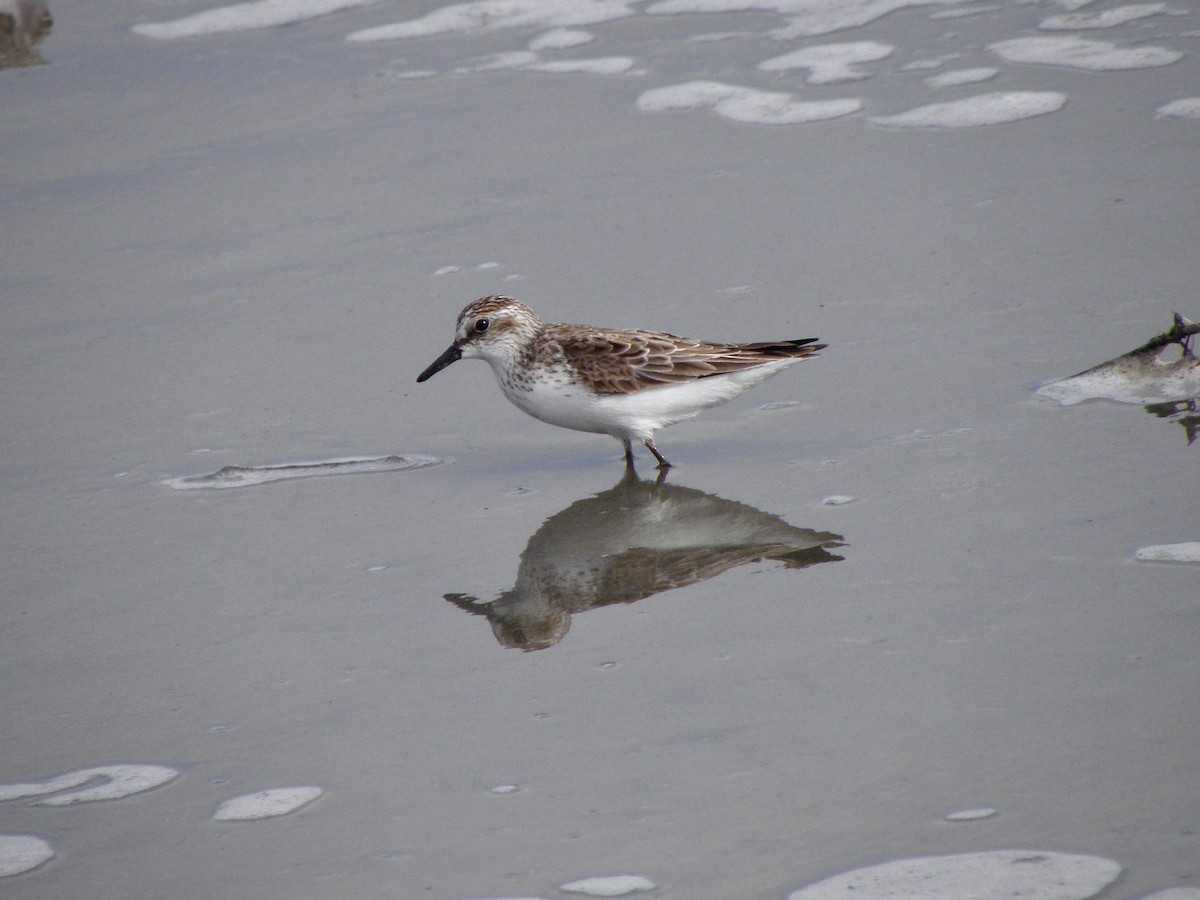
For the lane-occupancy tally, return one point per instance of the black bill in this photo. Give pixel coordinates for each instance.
(451, 355)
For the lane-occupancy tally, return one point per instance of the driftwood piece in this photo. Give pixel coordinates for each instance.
(1167, 388)
(1180, 333)
(1143, 375)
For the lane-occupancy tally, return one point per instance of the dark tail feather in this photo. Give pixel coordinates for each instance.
(802, 348)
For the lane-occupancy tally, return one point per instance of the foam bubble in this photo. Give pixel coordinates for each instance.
(920, 65)
(744, 104)
(690, 95)
(1187, 552)
(496, 15)
(529, 61)
(963, 11)
(970, 815)
(961, 76)
(116, 781)
(837, 500)
(605, 65)
(1078, 53)
(266, 804)
(985, 109)
(1028, 874)
(246, 17)
(830, 63)
(610, 886)
(498, 62)
(22, 852)
(1184, 108)
(1109, 18)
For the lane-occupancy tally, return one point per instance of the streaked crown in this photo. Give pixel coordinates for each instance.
(491, 322)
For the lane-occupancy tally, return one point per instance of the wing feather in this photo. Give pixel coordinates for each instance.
(621, 362)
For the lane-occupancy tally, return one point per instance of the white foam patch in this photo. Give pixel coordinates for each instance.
(561, 39)
(266, 804)
(1184, 108)
(496, 15)
(1187, 552)
(961, 76)
(921, 65)
(964, 11)
(985, 109)
(837, 500)
(246, 17)
(95, 783)
(715, 36)
(514, 59)
(809, 18)
(830, 63)
(22, 852)
(970, 815)
(605, 65)
(1079, 53)
(1027, 874)
(744, 104)
(527, 60)
(1109, 18)
(610, 886)
(249, 476)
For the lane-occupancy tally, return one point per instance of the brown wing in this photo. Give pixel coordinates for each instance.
(621, 362)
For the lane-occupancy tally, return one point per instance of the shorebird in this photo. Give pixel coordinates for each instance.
(624, 383)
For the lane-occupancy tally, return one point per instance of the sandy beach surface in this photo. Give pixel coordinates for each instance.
(892, 607)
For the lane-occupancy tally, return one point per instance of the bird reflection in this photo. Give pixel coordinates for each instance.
(23, 23)
(630, 542)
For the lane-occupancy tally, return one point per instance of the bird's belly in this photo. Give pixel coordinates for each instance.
(560, 400)
(658, 407)
(559, 403)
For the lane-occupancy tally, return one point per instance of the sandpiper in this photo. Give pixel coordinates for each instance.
(624, 383)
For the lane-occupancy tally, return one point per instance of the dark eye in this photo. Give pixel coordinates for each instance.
(481, 325)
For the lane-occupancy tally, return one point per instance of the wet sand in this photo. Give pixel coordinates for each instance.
(225, 251)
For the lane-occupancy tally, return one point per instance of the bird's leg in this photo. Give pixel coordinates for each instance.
(628, 453)
(662, 460)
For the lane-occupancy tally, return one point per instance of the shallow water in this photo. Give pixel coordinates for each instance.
(238, 249)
